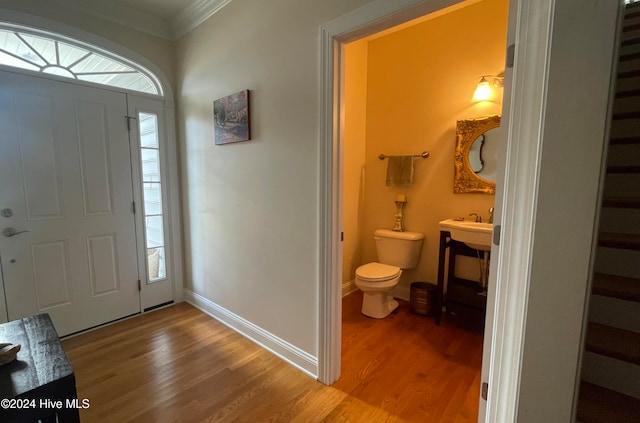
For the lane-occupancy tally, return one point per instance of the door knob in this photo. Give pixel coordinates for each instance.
(9, 232)
(6, 212)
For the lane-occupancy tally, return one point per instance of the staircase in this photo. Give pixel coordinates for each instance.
(610, 388)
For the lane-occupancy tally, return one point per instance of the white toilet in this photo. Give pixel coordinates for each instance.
(396, 251)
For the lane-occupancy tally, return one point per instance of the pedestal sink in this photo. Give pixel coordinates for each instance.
(474, 234)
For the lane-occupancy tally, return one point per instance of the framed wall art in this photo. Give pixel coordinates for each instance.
(231, 118)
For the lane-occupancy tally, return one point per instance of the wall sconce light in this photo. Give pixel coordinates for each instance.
(483, 90)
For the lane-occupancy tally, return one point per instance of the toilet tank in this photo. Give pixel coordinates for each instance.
(400, 249)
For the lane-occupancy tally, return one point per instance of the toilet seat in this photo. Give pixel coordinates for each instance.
(375, 272)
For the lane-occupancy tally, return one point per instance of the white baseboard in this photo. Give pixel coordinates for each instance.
(289, 353)
(401, 291)
(349, 287)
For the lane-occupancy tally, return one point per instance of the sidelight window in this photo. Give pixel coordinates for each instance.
(152, 196)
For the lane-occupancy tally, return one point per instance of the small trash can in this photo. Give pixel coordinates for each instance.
(422, 297)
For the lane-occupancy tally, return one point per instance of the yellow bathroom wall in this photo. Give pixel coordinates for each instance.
(420, 81)
(354, 136)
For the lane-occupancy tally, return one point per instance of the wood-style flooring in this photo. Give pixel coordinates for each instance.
(179, 365)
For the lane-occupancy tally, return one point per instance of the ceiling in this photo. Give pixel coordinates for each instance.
(169, 19)
(161, 9)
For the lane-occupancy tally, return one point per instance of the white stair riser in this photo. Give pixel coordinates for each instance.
(610, 373)
(615, 312)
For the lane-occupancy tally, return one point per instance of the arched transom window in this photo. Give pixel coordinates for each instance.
(45, 52)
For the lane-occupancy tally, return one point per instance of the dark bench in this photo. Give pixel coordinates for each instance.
(40, 384)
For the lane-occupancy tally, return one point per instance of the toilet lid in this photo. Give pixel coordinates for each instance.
(377, 272)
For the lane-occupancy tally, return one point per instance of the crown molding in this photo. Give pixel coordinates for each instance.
(194, 15)
(185, 21)
(122, 15)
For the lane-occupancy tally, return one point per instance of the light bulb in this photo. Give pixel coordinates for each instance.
(483, 91)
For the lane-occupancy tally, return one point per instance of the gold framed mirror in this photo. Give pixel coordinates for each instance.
(469, 131)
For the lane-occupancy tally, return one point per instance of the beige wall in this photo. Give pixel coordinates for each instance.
(252, 208)
(354, 144)
(419, 82)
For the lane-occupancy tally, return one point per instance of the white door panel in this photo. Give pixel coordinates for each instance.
(65, 171)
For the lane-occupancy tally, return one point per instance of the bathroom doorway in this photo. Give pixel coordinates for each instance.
(403, 89)
(405, 112)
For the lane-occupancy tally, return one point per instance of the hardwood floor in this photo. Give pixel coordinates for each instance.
(180, 365)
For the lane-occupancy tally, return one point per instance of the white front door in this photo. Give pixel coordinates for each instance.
(66, 192)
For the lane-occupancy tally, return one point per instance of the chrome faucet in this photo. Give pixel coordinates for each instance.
(491, 215)
(478, 217)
